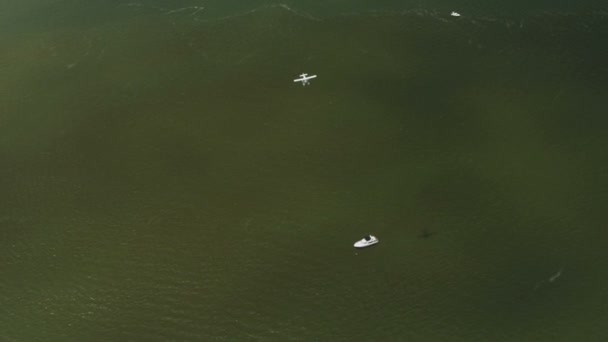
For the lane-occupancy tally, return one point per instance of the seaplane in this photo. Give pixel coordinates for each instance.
(304, 78)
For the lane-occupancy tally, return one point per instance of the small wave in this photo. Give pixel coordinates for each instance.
(192, 9)
(284, 7)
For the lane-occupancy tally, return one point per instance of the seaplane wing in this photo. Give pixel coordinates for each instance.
(304, 78)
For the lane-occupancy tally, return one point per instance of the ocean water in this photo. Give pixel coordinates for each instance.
(163, 179)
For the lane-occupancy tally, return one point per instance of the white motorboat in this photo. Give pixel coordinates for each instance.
(367, 241)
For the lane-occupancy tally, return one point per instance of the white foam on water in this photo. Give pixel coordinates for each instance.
(551, 279)
(556, 275)
(194, 9)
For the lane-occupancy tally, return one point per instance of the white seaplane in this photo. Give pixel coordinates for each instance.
(304, 78)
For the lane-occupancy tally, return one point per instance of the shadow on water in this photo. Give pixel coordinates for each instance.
(426, 234)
